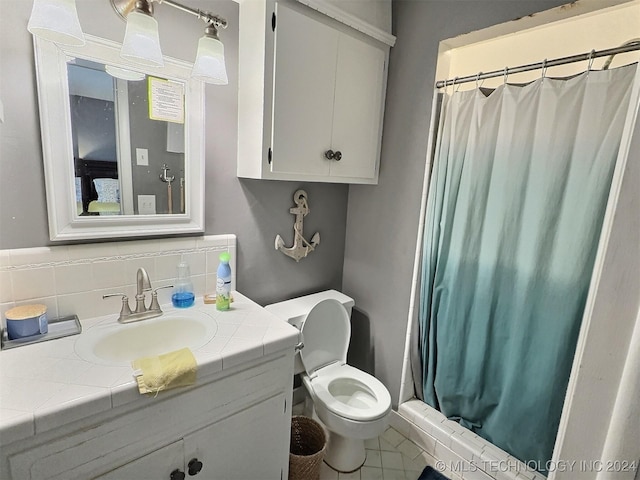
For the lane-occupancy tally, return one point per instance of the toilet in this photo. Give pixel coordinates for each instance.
(353, 405)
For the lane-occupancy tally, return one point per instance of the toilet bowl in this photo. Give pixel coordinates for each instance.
(353, 405)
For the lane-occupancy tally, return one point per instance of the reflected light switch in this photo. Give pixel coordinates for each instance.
(146, 204)
(142, 156)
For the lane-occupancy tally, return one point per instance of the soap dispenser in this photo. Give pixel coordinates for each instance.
(183, 295)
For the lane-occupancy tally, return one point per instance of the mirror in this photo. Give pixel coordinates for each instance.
(123, 147)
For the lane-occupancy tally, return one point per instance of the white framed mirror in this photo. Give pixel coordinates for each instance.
(123, 145)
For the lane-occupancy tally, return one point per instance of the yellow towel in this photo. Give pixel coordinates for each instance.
(171, 370)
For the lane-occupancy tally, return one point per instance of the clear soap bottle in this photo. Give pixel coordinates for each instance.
(183, 295)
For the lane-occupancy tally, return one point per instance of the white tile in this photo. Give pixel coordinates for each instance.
(73, 278)
(408, 448)
(16, 425)
(33, 283)
(392, 460)
(445, 454)
(238, 351)
(373, 459)
(5, 258)
(6, 289)
(465, 446)
(69, 404)
(424, 440)
(38, 255)
(372, 443)
(327, 473)
(109, 274)
(197, 262)
(349, 476)
(211, 241)
(413, 464)
(442, 432)
(166, 267)
(274, 341)
(101, 376)
(371, 473)
(386, 446)
(393, 437)
(391, 474)
(25, 394)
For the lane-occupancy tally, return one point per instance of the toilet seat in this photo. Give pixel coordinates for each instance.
(351, 393)
(343, 390)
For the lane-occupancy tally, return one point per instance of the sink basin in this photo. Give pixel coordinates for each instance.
(119, 344)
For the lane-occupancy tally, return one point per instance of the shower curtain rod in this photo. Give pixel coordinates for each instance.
(544, 64)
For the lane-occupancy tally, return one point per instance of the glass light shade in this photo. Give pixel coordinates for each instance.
(123, 73)
(141, 43)
(209, 65)
(56, 21)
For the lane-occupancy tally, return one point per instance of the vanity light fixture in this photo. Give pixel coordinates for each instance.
(209, 65)
(57, 21)
(141, 42)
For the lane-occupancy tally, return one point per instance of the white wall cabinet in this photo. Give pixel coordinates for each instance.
(311, 107)
(235, 426)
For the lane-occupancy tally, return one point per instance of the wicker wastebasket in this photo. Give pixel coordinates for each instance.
(308, 445)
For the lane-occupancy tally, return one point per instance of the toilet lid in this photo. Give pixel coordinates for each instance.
(326, 331)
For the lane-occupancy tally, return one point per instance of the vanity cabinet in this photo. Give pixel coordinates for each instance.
(234, 426)
(239, 447)
(312, 110)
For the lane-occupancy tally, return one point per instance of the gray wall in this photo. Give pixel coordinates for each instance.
(255, 211)
(380, 247)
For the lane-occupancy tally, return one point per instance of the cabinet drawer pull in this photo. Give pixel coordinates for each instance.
(194, 466)
(331, 155)
(177, 475)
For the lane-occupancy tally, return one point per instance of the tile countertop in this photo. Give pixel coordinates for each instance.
(46, 385)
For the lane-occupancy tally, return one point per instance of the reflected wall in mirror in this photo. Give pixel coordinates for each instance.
(128, 158)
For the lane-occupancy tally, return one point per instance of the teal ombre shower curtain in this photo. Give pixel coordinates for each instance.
(514, 211)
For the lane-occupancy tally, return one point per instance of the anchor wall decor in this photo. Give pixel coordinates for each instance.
(301, 247)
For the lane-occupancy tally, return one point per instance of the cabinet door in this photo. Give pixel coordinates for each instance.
(157, 465)
(252, 444)
(304, 78)
(357, 115)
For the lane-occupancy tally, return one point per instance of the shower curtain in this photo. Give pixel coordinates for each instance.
(514, 211)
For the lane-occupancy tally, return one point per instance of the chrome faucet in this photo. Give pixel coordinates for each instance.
(143, 284)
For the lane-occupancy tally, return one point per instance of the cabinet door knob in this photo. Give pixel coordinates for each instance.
(194, 466)
(331, 155)
(177, 475)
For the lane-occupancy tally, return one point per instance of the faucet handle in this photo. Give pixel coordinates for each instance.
(125, 310)
(155, 306)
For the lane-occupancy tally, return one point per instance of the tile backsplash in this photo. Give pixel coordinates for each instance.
(71, 279)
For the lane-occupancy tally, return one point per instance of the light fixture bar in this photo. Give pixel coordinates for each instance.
(123, 7)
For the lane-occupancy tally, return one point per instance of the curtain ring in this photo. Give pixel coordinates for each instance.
(454, 85)
(505, 75)
(478, 79)
(544, 68)
(591, 59)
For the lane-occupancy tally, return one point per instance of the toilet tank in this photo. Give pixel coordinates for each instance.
(295, 310)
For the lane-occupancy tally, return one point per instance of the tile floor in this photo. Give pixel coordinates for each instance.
(391, 456)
